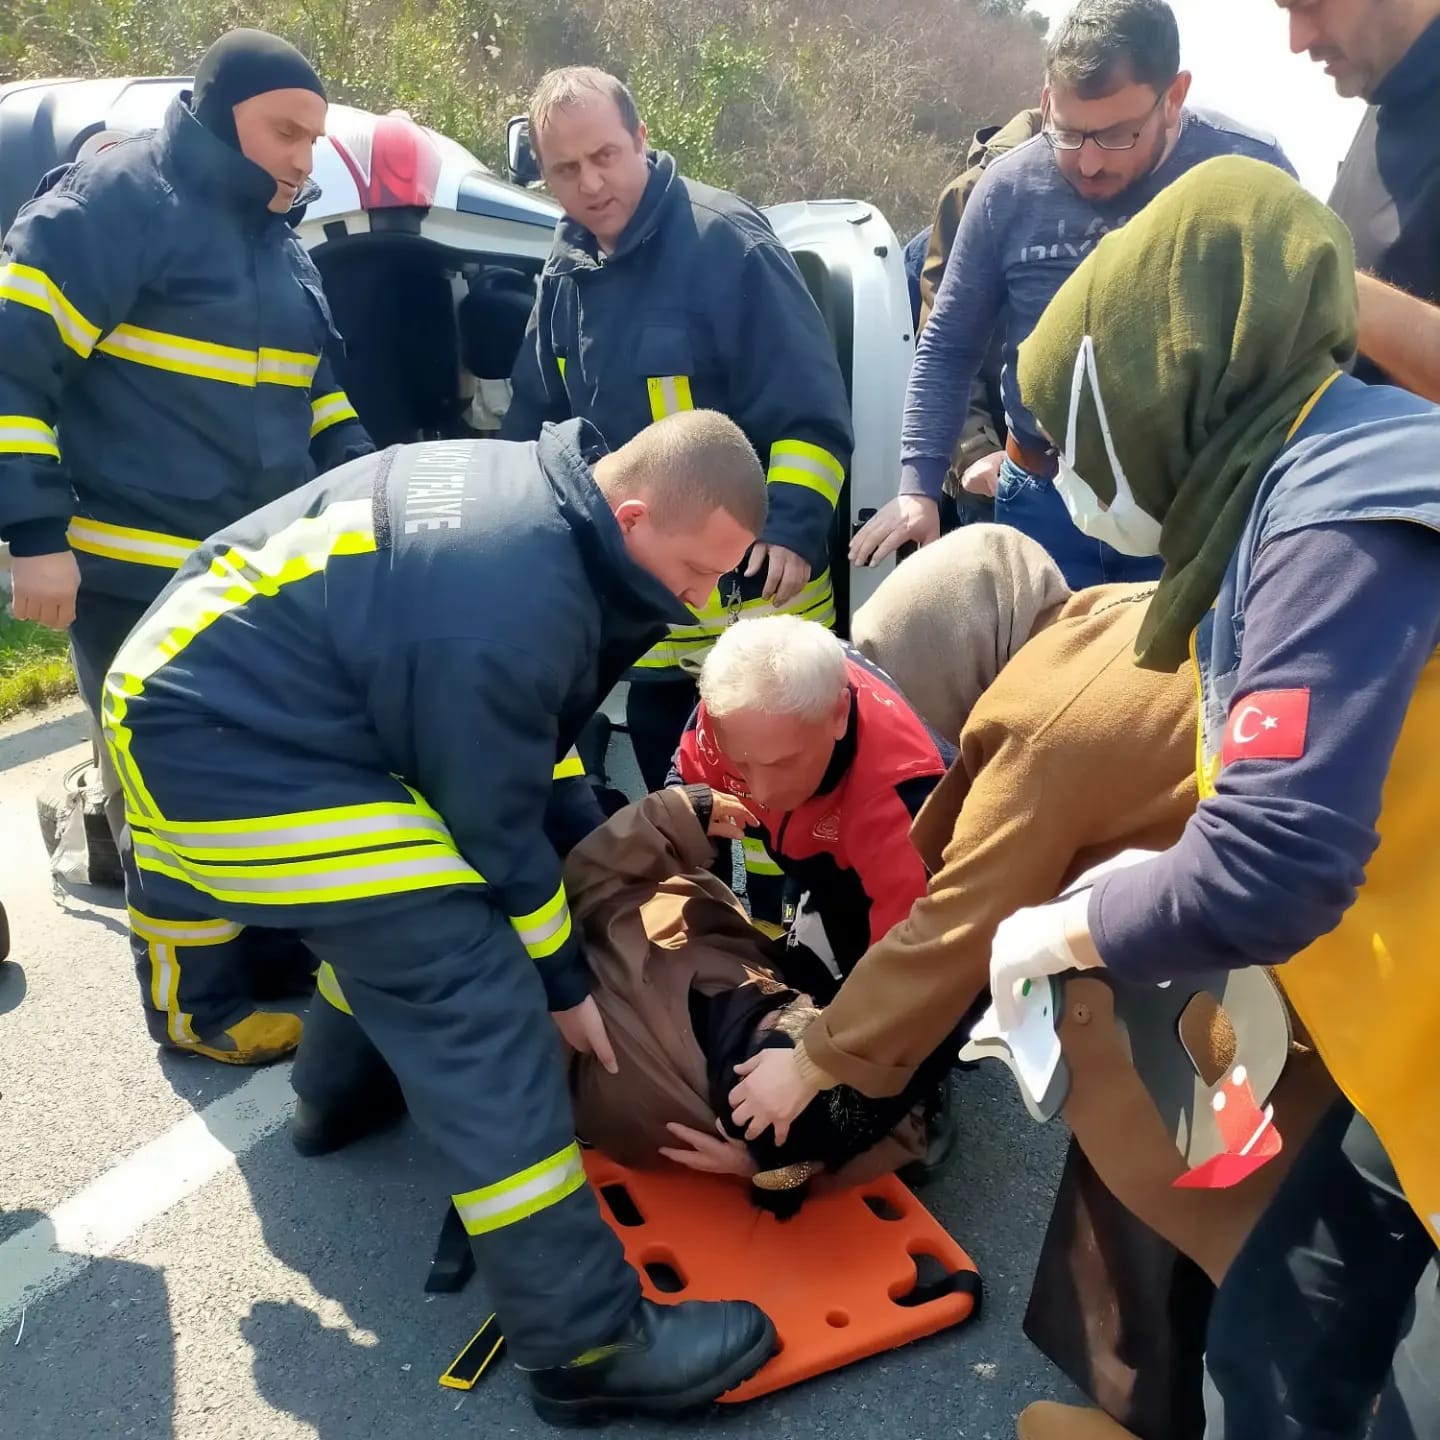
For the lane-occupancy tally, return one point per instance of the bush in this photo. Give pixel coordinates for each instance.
(779, 99)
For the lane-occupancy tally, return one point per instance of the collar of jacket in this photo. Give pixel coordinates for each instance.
(576, 247)
(220, 173)
(1416, 77)
(632, 600)
(843, 755)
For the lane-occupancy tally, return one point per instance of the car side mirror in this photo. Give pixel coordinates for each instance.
(519, 157)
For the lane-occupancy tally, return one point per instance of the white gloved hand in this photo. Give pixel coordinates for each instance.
(1030, 944)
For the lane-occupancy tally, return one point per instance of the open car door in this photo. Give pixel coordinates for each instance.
(853, 264)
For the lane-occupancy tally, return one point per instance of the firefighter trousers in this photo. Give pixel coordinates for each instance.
(438, 988)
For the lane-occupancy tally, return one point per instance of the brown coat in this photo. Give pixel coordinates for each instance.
(1071, 756)
(655, 922)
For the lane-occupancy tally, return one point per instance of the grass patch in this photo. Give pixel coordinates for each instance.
(34, 665)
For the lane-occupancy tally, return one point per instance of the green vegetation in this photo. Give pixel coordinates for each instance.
(34, 666)
(779, 99)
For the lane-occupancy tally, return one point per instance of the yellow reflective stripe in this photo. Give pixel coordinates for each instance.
(572, 767)
(797, 462)
(331, 409)
(544, 931)
(669, 394)
(311, 882)
(757, 858)
(342, 830)
(165, 993)
(25, 435)
(183, 932)
(207, 361)
(492, 1207)
(328, 984)
(286, 367)
(26, 285)
(124, 542)
(685, 643)
(560, 365)
(303, 548)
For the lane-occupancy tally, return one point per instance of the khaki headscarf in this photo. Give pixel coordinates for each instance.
(943, 625)
(1216, 313)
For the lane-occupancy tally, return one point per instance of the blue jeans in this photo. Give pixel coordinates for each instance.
(1033, 506)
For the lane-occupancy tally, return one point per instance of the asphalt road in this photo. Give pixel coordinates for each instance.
(180, 1272)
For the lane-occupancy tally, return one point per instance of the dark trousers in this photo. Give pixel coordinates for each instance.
(1330, 1307)
(441, 993)
(655, 715)
(101, 625)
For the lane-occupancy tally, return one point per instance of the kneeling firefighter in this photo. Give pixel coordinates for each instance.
(343, 717)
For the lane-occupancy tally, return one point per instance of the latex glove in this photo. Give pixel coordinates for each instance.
(905, 518)
(787, 576)
(44, 588)
(723, 1156)
(983, 476)
(772, 1092)
(1034, 943)
(584, 1032)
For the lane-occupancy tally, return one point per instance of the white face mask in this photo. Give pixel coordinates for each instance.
(1124, 525)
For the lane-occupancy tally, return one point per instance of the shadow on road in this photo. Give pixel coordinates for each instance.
(112, 1320)
(12, 986)
(34, 742)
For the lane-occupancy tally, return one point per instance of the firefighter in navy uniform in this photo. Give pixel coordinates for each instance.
(342, 717)
(166, 368)
(660, 294)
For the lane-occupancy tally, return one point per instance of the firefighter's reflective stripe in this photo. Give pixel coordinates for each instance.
(327, 982)
(669, 394)
(560, 366)
(797, 462)
(124, 542)
(572, 767)
(183, 932)
(519, 1196)
(27, 435)
(234, 578)
(757, 858)
(330, 410)
(544, 931)
(165, 993)
(206, 361)
(686, 645)
(26, 285)
(391, 871)
(338, 830)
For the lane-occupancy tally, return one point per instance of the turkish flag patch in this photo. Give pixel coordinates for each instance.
(1269, 725)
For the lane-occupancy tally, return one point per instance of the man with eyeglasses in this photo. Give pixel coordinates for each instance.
(1116, 131)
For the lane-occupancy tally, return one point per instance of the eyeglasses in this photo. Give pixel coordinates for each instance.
(1114, 137)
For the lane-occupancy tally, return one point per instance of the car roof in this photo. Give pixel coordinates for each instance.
(365, 161)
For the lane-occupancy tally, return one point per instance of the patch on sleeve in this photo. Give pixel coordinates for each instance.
(1269, 725)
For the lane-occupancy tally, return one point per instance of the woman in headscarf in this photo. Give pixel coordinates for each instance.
(1191, 368)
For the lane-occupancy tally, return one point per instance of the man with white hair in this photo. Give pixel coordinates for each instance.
(834, 764)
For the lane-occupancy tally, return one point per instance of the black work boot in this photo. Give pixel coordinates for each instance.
(667, 1359)
(317, 1129)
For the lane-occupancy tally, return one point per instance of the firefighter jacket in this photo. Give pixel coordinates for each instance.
(165, 358)
(699, 306)
(363, 689)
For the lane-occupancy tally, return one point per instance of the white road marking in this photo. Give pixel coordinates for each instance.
(97, 1220)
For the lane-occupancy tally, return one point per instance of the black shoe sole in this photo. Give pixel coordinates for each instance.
(572, 1414)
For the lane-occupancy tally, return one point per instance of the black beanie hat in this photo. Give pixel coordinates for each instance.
(239, 66)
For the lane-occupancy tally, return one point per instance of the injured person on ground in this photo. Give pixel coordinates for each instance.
(680, 978)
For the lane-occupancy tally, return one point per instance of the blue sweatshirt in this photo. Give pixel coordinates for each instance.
(1351, 613)
(1024, 232)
